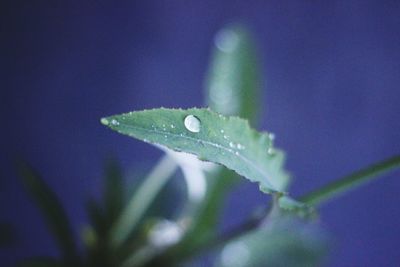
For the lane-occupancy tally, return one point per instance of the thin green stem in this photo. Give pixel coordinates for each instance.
(351, 181)
(142, 199)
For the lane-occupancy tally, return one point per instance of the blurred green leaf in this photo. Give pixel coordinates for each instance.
(95, 236)
(114, 193)
(52, 210)
(212, 137)
(7, 235)
(233, 83)
(203, 220)
(141, 200)
(96, 217)
(282, 242)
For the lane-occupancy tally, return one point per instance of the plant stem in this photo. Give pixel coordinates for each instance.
(331, 190)
(351, 181)
(215, 242)
(142, 199)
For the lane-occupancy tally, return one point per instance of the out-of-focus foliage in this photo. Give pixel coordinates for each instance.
(233, 82)
(7, 235)
(53, 211)
(281, 242)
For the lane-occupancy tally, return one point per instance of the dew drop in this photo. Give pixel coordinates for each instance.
(222, 131)
(271, 136)
(172, 126)
(114, 122)
(270, 151)
(165, 233)
(231, 144)
(240, 146)
(192, 123)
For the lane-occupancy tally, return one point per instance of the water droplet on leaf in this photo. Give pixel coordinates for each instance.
(114, 122)
(270, 151)
(240, 146)
(192, 123)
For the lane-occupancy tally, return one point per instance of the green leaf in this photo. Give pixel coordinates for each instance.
(283, 242)
(233, 83)
(7, 235)
(212, 137)
(351, 181)
(141, 200)
(114, 192)
(52, 210)
(96, 217)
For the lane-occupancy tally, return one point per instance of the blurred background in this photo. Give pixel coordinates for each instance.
(331, 93)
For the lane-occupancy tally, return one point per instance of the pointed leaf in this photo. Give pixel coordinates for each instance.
(52, 210)
(212, 137)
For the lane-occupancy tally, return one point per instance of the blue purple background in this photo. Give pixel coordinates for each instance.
(332, 97)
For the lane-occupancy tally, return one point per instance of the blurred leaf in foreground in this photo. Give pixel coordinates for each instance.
(7, 235)
(52, 210)
(233, 83)
(282, 242)
(114, 194)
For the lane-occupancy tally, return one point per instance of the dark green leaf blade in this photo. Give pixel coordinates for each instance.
(51, 208)
(7, 235)
(113, 191)
(212, 137)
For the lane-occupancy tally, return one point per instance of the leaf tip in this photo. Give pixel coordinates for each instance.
(105, 121)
